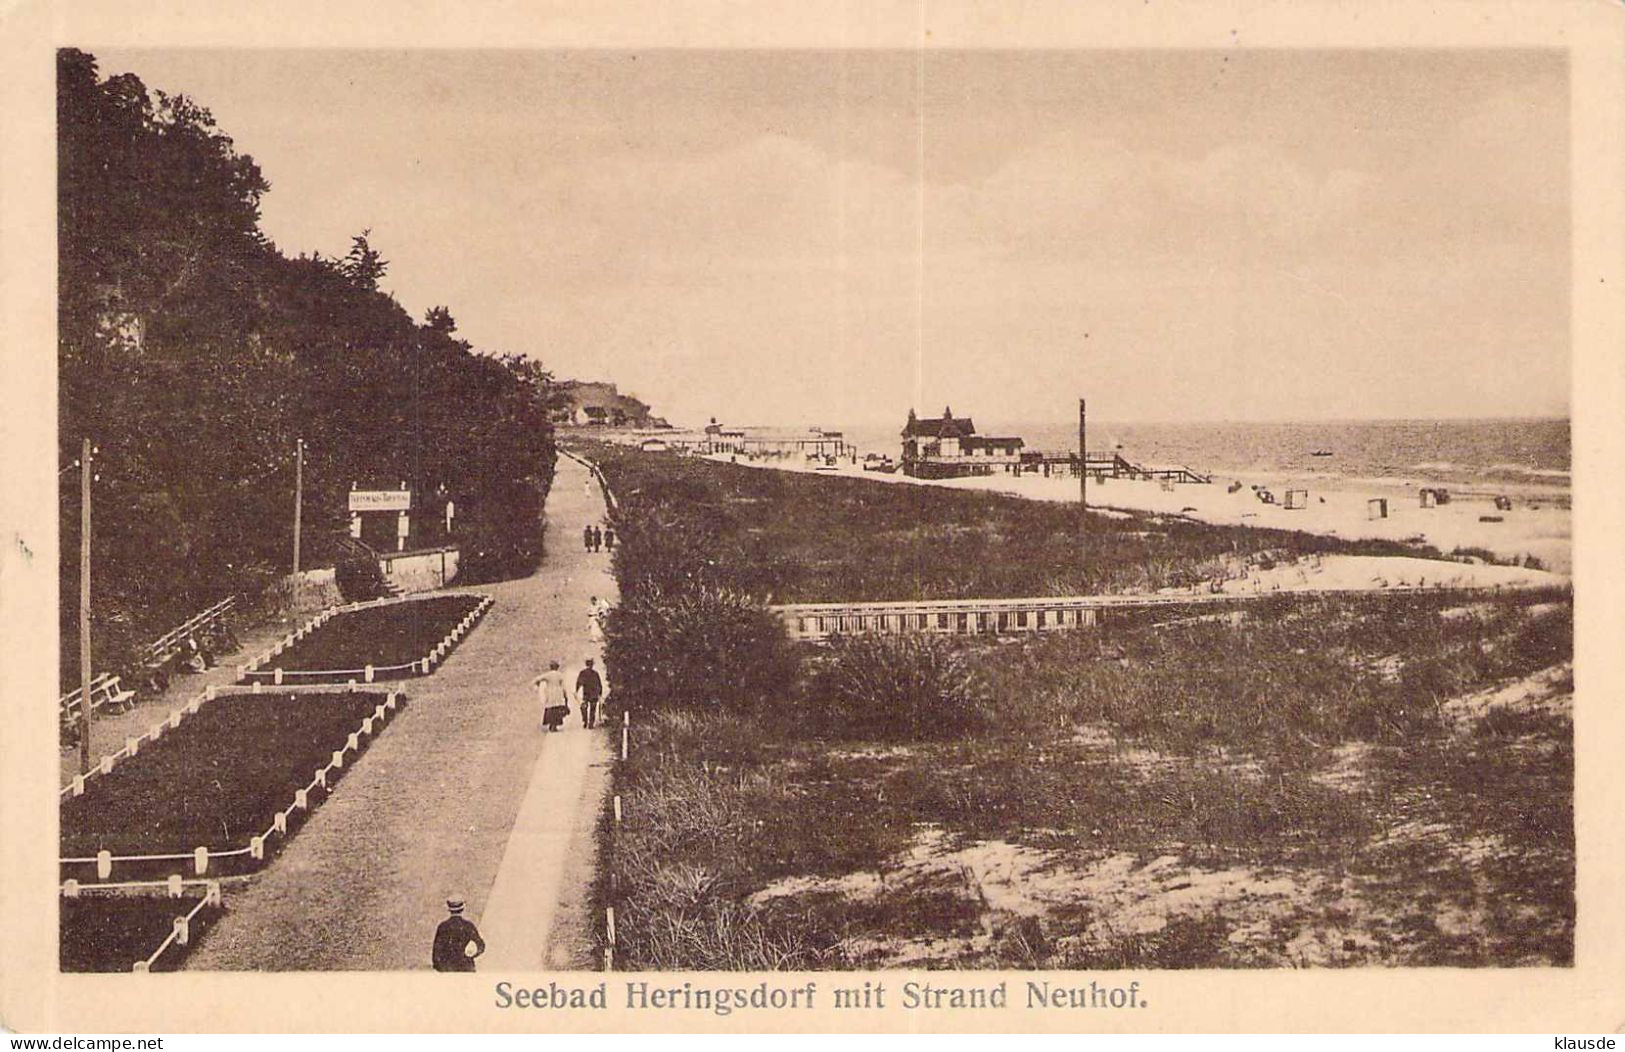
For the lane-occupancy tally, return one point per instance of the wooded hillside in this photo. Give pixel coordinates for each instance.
(194, 353)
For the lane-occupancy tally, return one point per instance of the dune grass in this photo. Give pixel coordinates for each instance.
(786, 537)
(771, 839)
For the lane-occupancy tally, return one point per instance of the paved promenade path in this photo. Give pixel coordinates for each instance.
(461, 794)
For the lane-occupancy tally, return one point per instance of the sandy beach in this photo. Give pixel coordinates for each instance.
(1539, 523)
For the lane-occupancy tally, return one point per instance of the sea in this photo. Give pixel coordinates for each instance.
(1524, 455)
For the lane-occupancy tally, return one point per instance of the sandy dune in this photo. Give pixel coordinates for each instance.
(1538, 524)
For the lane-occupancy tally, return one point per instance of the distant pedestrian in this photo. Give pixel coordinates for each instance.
(550, 692)
(609, 538)
(597, 609)
(452, 937)
(589, 694)
(586, 537)
(597, 538)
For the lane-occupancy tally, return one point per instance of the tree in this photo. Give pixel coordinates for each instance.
(364, 266)
(439, 320)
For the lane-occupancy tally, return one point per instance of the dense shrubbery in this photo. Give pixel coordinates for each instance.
(677, 909)
(685, 635)
(194, 353)
(359, 578)
(898, 688)
(696, 647)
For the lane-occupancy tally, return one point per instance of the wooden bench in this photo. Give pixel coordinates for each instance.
(106, 692)
(111, 695)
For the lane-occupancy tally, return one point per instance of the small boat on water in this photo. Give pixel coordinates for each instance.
(1321, 453)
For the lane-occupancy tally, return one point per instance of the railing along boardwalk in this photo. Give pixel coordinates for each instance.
(815, 621)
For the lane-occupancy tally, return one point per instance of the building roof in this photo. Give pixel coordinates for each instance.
(985, 441)
(945, 426)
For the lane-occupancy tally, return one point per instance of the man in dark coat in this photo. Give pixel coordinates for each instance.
(586, 537)
(451, 940)
(590, 690)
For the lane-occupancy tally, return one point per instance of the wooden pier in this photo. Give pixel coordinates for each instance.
(1113, 466)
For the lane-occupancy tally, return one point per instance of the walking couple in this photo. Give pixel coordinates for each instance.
(589, 691)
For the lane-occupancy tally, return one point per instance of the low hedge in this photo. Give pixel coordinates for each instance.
(217, 779)
(110, 933)
(393, 634)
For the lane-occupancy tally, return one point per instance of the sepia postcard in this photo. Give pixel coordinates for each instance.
(813, 517)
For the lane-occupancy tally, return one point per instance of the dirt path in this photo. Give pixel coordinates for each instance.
(429, 808)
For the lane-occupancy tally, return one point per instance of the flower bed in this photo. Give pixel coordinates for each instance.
(371, 641)
(116, 932)
(218, 786)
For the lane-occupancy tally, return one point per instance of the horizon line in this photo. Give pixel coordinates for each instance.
(1507, 418)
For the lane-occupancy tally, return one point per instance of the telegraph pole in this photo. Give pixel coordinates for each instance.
(84, 607)
(1083, 489)
(298, 495)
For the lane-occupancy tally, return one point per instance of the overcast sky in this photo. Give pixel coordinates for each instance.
(831, 237)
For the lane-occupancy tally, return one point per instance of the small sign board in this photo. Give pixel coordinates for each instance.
(380, 499)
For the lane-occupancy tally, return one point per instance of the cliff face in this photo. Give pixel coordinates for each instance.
(593, 402)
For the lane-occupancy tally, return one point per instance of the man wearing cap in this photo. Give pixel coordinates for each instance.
(590, 693)
(451, 940)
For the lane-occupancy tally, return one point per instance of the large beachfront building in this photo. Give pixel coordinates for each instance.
(774, 441)
(949, 447)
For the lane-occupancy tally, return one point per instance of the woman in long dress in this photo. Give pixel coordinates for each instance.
(550, 691)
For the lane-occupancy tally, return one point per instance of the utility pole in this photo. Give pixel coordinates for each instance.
(298, 495)
(84, 607)
(1083, 490)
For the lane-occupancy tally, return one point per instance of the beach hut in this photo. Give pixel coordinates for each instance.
(1296, 499)
(1376, 508)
